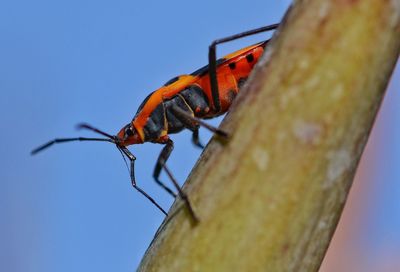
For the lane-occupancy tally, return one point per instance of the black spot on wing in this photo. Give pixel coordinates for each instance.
(232, 65)
(250, 58)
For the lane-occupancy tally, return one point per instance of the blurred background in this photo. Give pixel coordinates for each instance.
(72, 207)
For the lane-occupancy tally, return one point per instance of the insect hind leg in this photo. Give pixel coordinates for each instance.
(212, 59)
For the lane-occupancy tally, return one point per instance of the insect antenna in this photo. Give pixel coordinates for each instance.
(109, 138)
(89, 127)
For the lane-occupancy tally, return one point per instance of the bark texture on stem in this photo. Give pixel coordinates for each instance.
(269, 199)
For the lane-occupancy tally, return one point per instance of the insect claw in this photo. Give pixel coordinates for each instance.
(222, 133)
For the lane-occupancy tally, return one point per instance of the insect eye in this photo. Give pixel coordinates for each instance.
(128, 131)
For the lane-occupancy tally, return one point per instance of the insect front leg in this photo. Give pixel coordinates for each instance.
(132, 159)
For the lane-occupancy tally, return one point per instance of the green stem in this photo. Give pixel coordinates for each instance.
(270, 198)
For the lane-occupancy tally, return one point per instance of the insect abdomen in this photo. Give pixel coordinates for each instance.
(196, 99)
(174, 124)
(192, 100)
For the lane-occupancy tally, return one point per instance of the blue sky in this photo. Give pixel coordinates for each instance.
(72, 207)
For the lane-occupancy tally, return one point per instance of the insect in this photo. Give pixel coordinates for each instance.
(182, 103)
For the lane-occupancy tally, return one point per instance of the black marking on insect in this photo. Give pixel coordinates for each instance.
(250, 58)
(172, 80)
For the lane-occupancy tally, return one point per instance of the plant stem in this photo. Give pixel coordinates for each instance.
(269, 199)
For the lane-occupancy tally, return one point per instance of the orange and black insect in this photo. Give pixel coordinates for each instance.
(181, 103)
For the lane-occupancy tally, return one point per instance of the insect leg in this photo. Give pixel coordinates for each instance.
(190, 121)
(195, 138)
(182, 195)
(162, 158)
(161, 163)
(212, 59)
(132, 174)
